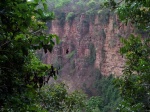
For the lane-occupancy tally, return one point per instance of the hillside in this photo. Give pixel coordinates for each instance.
(89, 47)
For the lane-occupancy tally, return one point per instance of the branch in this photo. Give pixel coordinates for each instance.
(120, 2)
(36, 31)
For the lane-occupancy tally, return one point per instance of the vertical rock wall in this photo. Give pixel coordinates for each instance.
(89, 48)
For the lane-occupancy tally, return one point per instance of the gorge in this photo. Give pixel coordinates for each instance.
(74, 56)
(89, 49)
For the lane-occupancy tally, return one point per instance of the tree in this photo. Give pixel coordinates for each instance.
(22, 31)
(134, 11)
(110, 98)
(55, 98)
(22, 74)
(135, 82)
(92, 104)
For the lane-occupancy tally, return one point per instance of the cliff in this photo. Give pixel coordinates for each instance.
(89, 48)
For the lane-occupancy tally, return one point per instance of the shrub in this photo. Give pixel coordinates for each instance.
(91, 4)
(108, 93)
(91, 58)
(70, 16)
(55, 98)
(104, 16)
(61, 17)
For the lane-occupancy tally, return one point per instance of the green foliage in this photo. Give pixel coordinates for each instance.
(109, 95)
(80, 2)
(104, 16)
(90, 12)
(134, 85)
(55, 98)
(91, 3)
(135, 11)
(23, 103)
(93, 104)
(135, 81)
(61, 16)
(92, 56)
(23, 88)
(22, 31)
(58, 4)
(74, 8)
(70, 16)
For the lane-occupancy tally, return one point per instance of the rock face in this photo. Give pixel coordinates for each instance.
(89, 48)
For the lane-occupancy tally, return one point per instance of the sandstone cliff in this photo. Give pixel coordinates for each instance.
(89, 48)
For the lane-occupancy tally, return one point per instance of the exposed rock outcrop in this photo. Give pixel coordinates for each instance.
(89, 48)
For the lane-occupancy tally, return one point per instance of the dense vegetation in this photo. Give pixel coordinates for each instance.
(134, 85)
(55, 98)
(22, 75)
(134, 11)
(108, 94)
(67, 10)
(135, 82)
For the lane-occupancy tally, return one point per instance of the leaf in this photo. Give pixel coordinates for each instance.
(55, 77)
(57, 39)
(36, 1)
(40, 12)
(45, 6)
(29, 86)
(43, 1)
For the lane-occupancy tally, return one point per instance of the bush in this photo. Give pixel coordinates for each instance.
(108, 93)
(70, 16)
(92, 57)
(91, 4)
(55, 98)
(61, 17)
(104, 16)
(93, 103)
